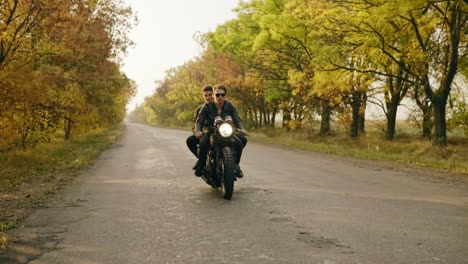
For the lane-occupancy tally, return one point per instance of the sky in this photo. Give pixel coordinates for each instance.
(164, 39)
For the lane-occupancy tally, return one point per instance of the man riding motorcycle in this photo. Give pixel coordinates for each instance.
(219, 107)
(192, 141)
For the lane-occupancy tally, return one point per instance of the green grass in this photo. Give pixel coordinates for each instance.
(4, 227)
(48, 160)
(28, 178)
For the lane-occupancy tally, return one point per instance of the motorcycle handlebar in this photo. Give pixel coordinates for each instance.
(240, 131)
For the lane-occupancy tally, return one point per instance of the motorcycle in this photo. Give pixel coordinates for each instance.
(221, 169)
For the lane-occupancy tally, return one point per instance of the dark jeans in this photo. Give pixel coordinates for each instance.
(192, 143)
(239, 144)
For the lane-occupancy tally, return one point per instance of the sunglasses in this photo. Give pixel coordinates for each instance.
(220, 95)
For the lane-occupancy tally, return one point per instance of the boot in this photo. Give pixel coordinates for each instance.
(195, 166)
(238, 172)
(199, 169)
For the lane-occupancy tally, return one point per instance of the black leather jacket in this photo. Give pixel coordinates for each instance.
(209, 112)
(195, 116)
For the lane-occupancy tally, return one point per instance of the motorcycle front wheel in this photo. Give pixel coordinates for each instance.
(227, 181)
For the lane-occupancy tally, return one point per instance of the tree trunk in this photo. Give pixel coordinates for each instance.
(286, 119)
(273, 117)
(67, 125)
(362, 114)
(440, 122)
(392, 108)
(265, 119)
(24, 135)
(427, 123)
(255, 117)
(326, 117)
(391, 123)
(456, 19)
(427, 127)
(424, 103)
(355, 107)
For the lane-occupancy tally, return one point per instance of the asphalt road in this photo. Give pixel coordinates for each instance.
(141, 203)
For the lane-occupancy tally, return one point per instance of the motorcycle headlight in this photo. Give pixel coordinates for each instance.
(225, 130)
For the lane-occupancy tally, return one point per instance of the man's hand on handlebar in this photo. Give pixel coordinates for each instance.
(199, 134)
(243, 132)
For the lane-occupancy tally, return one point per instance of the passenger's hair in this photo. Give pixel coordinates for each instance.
(207, 88)
(221, 87)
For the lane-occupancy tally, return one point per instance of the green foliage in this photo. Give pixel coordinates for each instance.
(459, 117)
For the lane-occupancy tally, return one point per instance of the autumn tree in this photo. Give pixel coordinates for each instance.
(423, 38)
(60, 67)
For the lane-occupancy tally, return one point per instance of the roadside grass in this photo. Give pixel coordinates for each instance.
(28, 178)
(407, 148)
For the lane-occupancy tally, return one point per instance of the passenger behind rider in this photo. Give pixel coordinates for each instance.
(219, 107)
(192, 141)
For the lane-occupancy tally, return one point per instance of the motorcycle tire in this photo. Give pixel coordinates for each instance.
(227, 183)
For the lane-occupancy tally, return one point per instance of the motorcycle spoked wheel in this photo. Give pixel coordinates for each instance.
(227, 180)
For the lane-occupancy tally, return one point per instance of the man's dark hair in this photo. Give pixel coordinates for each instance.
(221, 87)
(208, 88)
